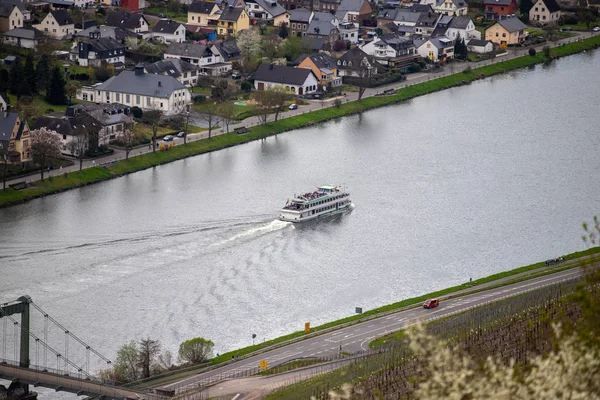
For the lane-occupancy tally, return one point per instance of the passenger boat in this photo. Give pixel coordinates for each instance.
(325, 201)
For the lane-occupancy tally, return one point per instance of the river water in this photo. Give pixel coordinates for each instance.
(455, 185)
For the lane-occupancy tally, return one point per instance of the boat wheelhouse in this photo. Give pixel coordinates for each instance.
(325, 200)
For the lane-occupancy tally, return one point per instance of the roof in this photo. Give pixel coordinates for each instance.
(350, 5)
(400, 15)
(428, 19)
(271, 6)
(460, 22)
(6, 9)
(82, 123)
(119, 34)
(166, 26)
(7, 125)
(512, 24)
(397, 42)
(321, 24)
(228, 49)
(105, 114)
(25, 33)
(478, 42)
(315, 44)
(62, 17)
(172, 66)
(441, 42)
(124, 20)
(300, 14)
(145, 84)
(104, 44)
(281, 74)
(231, 14)
(300, 58)
(187, 50)
(356, 56)
(498, 2)
(86, 24)
(18, 3)
(201, 7)
(322, 61)
(551, 5)
(420, 8)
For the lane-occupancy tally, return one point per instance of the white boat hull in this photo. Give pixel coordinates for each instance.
(296, 216)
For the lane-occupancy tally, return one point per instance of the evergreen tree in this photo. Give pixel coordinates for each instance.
(29, 76)
(15, 78)
(460, 48)
(42, 73)
(524, 8)
(56, 90)
(283, 31)
(3, 80)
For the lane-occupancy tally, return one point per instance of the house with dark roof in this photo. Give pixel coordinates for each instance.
(507, 31)
(480, 46)
(14, 138)
(435, 49)
(268, 10)
(140, 89)
(114, 118)
(80, 26)
(323, 25)
(299, 81)
(106, 32)
(389, 46)
(299, 20)
(227, 49)
(354, 11)
(324, 68)
(133, 22)
(168, 31)
(203, 13)
(232, 20)
(70, 129)
(93, 52)
(10, 17)
(497, 9)
(57, 24)
(19, 4)
(399, 16)
(453, 27)
(545, 12)
(427, 23)
(183, 71)
(354, 61)
(27, 38)
(195, 54)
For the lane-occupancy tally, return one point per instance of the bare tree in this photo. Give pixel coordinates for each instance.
(152, 117)
(279, 96)
(45, 145)
(364, 74)
(211, 118)
(79, 145)
(4, 158)
(129, 135)
(227, 114)
(272, 99)
(148, 351)
(269, 46)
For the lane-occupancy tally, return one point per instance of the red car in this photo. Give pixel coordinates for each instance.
(430, 303)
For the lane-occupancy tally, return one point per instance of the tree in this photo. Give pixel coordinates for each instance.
(148, 351)
(129, 136)
(126, 364)
(152, 117)
(27, 108)
(291, 48)
(279, 96)
(29, 76)
(524, 8)
(45, 145)
(460, 48)
(364, 75)
(249, 43)
(15, 79)
(269, 45)
(283, 30)
(71, 89)
(4, 78)
(222, 90)
(91, 73)
(227, 113)
(211, 118)
(339, 45)
(195, 350)
(56, 91)
(4, 159)
(78, 146)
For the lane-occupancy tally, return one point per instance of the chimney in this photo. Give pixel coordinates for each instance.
(159, 84)
(139, 69)
(270, 66)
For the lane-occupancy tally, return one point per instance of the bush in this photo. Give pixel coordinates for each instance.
(546, 50)
(137, 112)
(467, 70)
(199, 99)
(246, 86)
(532, 52)
(337, 103)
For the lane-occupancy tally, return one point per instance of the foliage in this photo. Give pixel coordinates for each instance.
(291, 48)
(337, 103)
(44, 146)
(29, 76)
(339, 45)
(71, 89)
(546, 51)
(524, 7)
(56, 90)
(195, 350)
(249, 43)
(246, 86)
(148, 351)
(211, 117)
(227, 113)
(125, 368)
(283, 31)
(137, 112)
(42, 72)
(532, 52)
(460, 48)
(272, 99)
(222, 90)
(152, 117)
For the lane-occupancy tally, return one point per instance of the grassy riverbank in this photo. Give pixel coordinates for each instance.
(96, 174)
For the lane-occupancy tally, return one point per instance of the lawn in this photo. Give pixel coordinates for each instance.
(241, 111)
(201, 90)
(179, 16)
(39, 100)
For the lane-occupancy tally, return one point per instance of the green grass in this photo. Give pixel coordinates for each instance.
(581, 26)
(289, 366)
(393, 337)
(41, 102)
(241, 112)
(178, 16)
(201, 90)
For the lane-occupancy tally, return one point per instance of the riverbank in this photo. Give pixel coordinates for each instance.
(122, 167)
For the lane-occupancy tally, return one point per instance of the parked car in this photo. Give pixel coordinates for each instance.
(235, 75)
(566, 29)
(162, 16)
(430, 303)
(293, 106)
(168, 138)
(596, 29)
(181, 134)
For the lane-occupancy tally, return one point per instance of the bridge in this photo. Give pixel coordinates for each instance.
(59, 372)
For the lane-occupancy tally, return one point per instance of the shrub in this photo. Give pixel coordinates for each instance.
(246, 86)
(137, 112)
(532, 52)
(467, 70)
(199, 99)
(337, 103)
(546, 50)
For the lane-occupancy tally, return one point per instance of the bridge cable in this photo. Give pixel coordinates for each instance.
(4, 340)
(46, 341)
(70, 334)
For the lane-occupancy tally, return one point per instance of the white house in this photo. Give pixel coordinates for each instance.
(299, 81)
(184, 72)
(354, 62)
(436, 49)
(389, 45)
(57, 24)
(93, 52)
(269, 10)
(349, 31)
(84, 3)
(480, 46)
(167, 31)
(464, 27)
(139, 89)
(133, 22)
(195, 54)
(69, 129)
(448, 7)
(27, 38)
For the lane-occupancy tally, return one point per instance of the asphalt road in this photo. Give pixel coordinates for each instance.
(356, 338)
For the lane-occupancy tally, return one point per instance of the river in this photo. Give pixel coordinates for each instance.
(459, 184)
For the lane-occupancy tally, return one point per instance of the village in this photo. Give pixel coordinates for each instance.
(82, 80)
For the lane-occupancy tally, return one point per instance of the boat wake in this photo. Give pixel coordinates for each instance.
(256, 231)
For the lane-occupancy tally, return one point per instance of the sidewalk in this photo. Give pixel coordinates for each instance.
(312, 106)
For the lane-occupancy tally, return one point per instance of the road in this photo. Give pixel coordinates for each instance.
(411, 79)
(356, 338)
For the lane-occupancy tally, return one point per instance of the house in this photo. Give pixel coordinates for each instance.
(57, 24)
(330, 6)
(183, 71)
(393, 50)
(106, 32)
(399, 17)
(133, 22)
(354, 11)
(300, 81)
(94, 52)
(427, 23)
(113, 118)
(299, 20)
(545, 12)
(448, 7)
(139, 89)
(168, 31)
(131, 5)
(480, 46)
(79, 26)
(27, 38)
(323, 25)
(203, 13)
(232, 21)
(462, 26)
(230, 3)
(10, 17)
(496, 9)
(82, 4)
(194, 54)
(268, 10)
(354, 62)
(436, 49)
(314, 43)
(349, 31)
(227, 50)
(68, 129)
(324, 68)
(19, 4)
(15, 141)
(507, 31)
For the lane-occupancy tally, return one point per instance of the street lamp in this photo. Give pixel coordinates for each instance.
(253, 337)
(187, 119)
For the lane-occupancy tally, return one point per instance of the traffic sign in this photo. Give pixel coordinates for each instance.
(264, 365)
(359, 310)
(307, 327)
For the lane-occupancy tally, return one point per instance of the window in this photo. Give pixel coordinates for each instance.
(147, 101)
(85, 97)
(504, 35)
(137, 99)
(64, 137)
(117, 97)
(192, 17)
(161, 105)
(127, 99)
